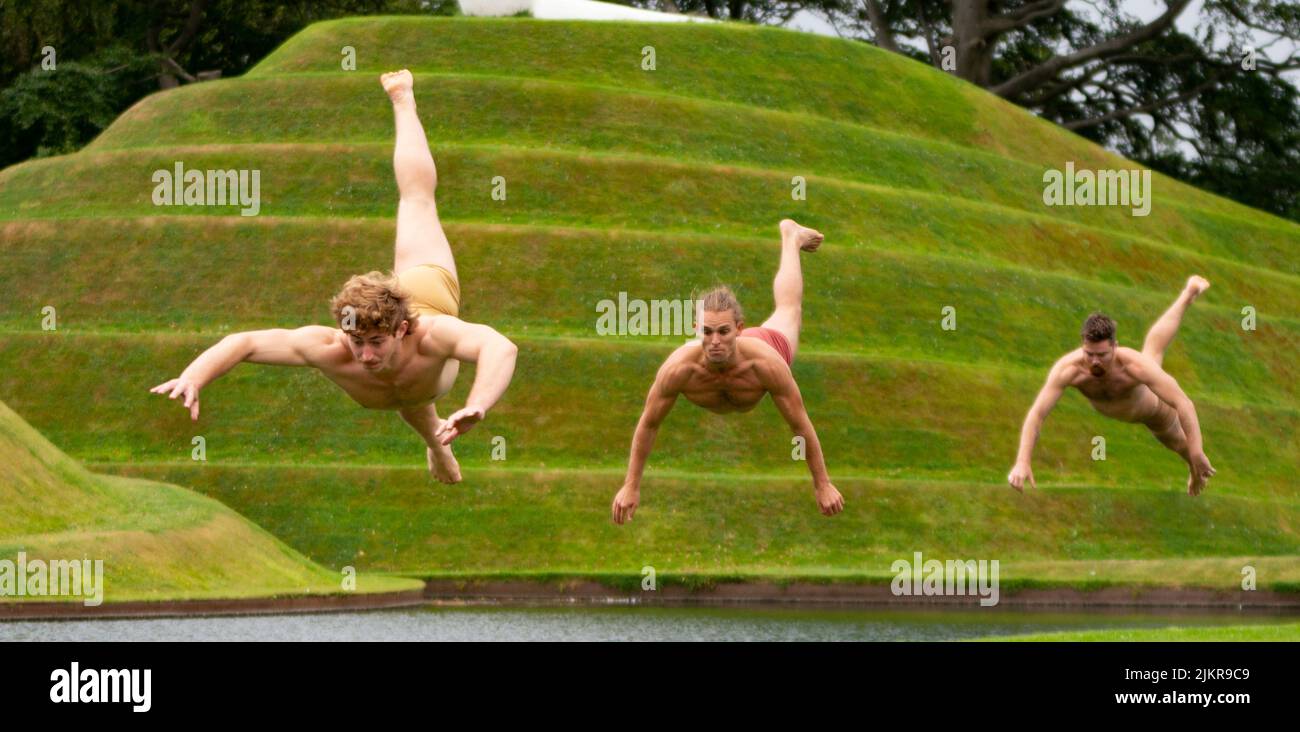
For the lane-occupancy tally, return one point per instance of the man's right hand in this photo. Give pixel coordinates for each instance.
(1201, 473)
(625, 503)
(181, 387)
(829, 499)
(1019, 474)
(1202, 465)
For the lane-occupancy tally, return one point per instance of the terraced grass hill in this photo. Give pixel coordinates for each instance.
(658, 183)
(156, 541)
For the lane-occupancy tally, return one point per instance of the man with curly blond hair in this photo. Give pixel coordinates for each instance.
(399, 341)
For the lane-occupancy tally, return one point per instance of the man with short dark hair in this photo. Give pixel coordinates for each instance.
(1127, 385)
(730, 367)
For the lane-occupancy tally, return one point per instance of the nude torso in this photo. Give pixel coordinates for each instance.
(1118, 394)
(737, 389)
(424, 377)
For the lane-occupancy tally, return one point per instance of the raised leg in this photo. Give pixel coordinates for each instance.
(787, 286)
(420, 238)
(1164, 329)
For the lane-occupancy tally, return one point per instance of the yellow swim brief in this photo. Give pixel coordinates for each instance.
(433, 290)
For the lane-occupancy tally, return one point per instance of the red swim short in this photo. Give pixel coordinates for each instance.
(773, 338)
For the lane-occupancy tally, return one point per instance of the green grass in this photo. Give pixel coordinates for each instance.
(1289, 632)
(157, 541)
(561, 116)
(501, 522)
(279, 417)
(660, 183)
(568, 188)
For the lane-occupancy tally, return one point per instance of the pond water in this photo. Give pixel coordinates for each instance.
(441, 622)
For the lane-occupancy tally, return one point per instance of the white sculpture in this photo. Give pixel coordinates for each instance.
(573, 10)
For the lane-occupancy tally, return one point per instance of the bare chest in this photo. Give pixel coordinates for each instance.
(1122, 398)
(725, 392)
(1113, 388)
(417, 385)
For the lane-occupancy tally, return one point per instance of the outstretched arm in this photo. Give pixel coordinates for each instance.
(277, 346)
(789, 402)
(1057, 380)
(494, 356)
(660, 400)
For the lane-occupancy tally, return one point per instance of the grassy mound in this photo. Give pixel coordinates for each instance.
(657, 183)
(157, 541)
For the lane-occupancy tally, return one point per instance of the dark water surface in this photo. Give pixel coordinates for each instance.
(619, 623)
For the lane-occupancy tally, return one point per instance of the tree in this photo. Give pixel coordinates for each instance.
(57, 111)
(1199, 107)
(110, 53)
(763, 12)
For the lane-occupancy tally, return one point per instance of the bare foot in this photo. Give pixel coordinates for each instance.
(398, 84)
(1196, 284)
(809, 239)
(1195, 484)
(443, 464)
